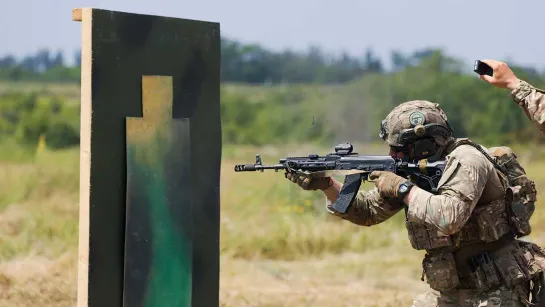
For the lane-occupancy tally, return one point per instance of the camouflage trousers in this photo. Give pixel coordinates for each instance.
(501, 297)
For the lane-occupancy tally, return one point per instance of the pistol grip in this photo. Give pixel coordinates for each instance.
(348, 192)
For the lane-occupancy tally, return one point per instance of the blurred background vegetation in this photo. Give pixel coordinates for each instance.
(279, 246)
(277, 97)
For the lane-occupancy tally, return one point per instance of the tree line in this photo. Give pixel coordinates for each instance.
(313, 107)
(241, 63)
(353, 112)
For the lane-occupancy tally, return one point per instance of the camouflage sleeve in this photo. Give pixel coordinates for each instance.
(368, 208)
(532, 101)
(463, 181)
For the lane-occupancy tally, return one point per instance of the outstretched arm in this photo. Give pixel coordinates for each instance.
(532, 102)
(367, 209)
(528, 97)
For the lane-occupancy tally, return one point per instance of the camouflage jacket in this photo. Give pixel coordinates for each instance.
(532, 101)
(469, 179)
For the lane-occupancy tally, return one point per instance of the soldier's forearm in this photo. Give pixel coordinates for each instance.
(513, 84)
(332, 193)
(367, 209)
(532, 102)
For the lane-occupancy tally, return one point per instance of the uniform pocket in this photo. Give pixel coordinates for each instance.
(510, 270)
(423, 238)
(492, 221)
(441, 273)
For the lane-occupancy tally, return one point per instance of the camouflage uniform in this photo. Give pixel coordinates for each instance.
(532, 101)
(466, 217)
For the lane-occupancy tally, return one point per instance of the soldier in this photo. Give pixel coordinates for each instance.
(472, 256)
(529, 98)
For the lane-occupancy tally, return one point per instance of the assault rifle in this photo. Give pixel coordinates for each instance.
(356, 169)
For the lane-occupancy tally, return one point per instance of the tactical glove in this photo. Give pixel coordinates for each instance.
(387, 183)
(307, 183)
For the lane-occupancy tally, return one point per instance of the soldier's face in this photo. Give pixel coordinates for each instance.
(396, 154)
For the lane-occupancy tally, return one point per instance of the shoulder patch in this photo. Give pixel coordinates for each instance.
(417, 118)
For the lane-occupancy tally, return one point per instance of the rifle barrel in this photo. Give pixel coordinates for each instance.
(257, 167)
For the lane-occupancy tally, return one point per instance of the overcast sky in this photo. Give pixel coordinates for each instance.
(468, 29)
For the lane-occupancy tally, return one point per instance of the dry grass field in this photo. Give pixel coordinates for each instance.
(279, 247)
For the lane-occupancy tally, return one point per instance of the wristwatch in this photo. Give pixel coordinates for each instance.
(404, 189)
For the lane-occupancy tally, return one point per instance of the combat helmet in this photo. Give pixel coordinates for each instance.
(420, 123)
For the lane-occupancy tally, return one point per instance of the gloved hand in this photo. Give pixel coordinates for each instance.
(387, 183)
(307, 183)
